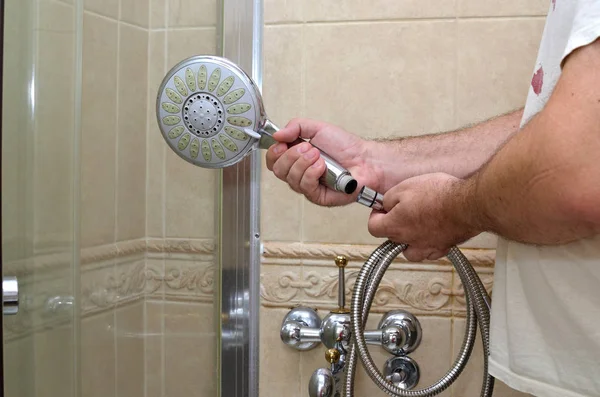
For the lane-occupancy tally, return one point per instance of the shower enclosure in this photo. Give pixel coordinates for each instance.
(137, 273)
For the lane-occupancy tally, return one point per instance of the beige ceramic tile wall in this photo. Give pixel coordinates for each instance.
(15, 236)
(37, 191)
(180, 341)
(54, 127)
(17, 239)
(127, 47)
(113, 142)
(388, 68)
(180, 197)
(381, 68)
(113, 195)
(180, 349)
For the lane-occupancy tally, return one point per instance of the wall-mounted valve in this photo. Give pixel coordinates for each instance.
(301, 328)
(398, 332)
(402, 372)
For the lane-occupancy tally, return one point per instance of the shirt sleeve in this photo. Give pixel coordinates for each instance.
(586, 27)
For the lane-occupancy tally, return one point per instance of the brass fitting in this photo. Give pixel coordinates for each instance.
(341, 261)
(332, 356)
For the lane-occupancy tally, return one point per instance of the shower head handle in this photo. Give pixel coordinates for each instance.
(336, 177)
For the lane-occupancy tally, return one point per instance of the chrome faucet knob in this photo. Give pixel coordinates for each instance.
(393, 339)
(402, 372)
(301, 329)
(321, 384)
(399, 333)
(336, 328)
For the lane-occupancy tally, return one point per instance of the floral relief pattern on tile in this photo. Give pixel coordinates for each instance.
(315, 286)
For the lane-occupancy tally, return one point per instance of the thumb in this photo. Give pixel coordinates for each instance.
(377, 224)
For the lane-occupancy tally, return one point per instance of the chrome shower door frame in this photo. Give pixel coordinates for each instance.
(239, 220)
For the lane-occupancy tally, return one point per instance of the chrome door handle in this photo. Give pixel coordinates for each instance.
(10, 295)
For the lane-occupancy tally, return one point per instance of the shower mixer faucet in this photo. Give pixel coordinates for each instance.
(399, 333)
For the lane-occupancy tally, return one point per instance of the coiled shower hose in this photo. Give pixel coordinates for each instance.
(478, 311)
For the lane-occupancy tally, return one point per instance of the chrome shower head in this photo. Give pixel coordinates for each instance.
(211, 114)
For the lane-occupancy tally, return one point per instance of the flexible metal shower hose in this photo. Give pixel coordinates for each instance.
(477, 303)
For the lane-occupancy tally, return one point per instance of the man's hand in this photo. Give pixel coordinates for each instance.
(301, 166)
(426, 212)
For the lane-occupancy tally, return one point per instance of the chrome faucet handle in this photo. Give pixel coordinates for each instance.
(402, 372)
(326, 382)
(301, 329)
(321, 383)
(399, 333)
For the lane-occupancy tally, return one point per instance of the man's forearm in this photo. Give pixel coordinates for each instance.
(526, 191)
(543, 186)
(459, 153)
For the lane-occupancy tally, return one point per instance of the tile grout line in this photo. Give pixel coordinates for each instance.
(303, 111)
(456, 59)
(453, 274)
(166, 11)
(185, 28)
(106, 17)
(145, 344)
(116, 193)
(408, 20)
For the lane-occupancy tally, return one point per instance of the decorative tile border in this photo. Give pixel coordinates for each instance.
(477, 257)
(111, 276)
(303, 274)
(184, 270)
(186, 246)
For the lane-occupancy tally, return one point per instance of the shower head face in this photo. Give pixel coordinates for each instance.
(203, 106)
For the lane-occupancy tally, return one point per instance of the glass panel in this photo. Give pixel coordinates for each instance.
(181, 306)
(147, 216)
(38, 166)
(112, 234)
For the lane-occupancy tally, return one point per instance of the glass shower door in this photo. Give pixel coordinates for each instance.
(38, 169)
(114, 239)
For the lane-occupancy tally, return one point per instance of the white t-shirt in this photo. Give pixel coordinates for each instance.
(545, 326)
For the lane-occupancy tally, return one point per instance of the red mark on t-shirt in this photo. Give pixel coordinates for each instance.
(538, 81)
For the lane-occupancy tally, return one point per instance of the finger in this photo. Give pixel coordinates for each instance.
(283, 165)
(392, 198)
(299, 168)
(413, 254)
(310, 184)
(440, 254)
(303, 128)
(378, 224)
(274, 153)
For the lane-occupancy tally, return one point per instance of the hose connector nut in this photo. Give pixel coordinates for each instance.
(370, 198)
